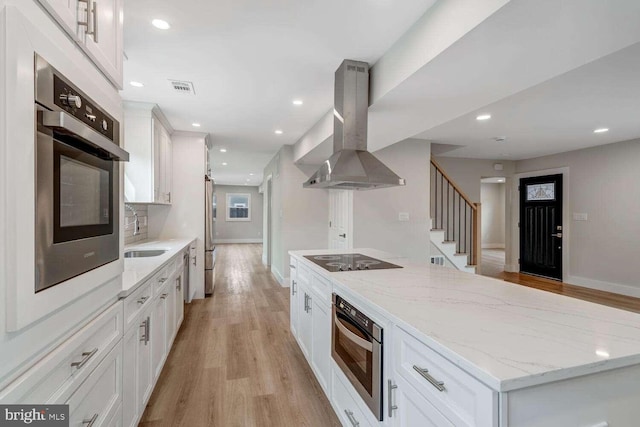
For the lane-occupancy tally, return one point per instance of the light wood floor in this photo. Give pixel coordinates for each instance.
(493, 266)
(234, 361)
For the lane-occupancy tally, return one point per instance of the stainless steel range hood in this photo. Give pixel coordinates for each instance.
(352, 167)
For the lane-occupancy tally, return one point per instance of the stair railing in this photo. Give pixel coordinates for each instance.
(453, 212)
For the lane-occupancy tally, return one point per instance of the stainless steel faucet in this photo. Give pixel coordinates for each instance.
(136, 221)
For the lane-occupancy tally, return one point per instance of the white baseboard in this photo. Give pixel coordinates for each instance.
(278, 276)
(616, 288)
(220, 241)
(493, 246)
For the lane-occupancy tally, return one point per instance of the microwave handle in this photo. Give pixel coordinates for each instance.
(351, 336)
(68, 124)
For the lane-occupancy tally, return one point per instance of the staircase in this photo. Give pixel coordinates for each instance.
(455, 222)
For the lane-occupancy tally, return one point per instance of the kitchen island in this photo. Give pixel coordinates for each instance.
(510, 355)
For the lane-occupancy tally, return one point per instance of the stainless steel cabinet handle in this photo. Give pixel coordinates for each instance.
(148, 332)
(305, 302)
(292, 266)
(143, 338)
(293, 287)
(179, 285)
(142, 300)
(90, 421)
(169, 197)
(352, 419)
(164, 296)
(85, 358)
(425, 374)
(344, 236)
(391, 406)
(195, 262)
(162, 279)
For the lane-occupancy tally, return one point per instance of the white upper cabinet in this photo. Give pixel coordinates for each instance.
(96, 25)
(147, 138)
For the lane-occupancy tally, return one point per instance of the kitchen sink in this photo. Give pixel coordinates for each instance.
(144, 253)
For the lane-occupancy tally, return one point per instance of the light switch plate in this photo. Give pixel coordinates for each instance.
(580, 217)
(403, 216)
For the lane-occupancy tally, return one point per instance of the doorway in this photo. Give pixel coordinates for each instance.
(541, 210)
(340, 219)
(493, 226)
(268, 221)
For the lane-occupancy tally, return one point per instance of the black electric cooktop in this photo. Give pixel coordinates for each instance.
(349, 262)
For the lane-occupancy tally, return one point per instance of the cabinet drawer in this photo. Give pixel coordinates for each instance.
(136, 302)
(303, 274)
(293, 268)
(413, 410)
(58, 375)
(322, 287)
(100, 397)
(345, 406)
(461, 398)
(162, 277)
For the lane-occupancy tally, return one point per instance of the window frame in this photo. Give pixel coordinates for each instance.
(227, 207)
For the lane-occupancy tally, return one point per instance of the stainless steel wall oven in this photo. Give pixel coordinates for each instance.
(77, 180)
(356, 346)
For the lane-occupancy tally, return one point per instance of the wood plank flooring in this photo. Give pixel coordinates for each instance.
(493, 266)
(234, 361)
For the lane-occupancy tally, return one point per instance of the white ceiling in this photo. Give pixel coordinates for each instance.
(248, 59)
(556, 116)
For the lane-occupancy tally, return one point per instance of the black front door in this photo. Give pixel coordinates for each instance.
(541, 226)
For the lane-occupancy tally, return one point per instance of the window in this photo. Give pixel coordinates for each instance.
(238, 207)
(541, 191)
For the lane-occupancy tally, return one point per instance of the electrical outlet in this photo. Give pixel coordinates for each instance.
(403, 216)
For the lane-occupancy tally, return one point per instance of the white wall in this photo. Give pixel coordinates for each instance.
(185, 217)
(238, 231)
(604, 183)
(493, 226)
(375, 220)
(300, 215)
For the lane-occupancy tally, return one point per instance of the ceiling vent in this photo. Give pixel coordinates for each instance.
(183, 87)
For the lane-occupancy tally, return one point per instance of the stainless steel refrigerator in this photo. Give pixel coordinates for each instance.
(209, 247)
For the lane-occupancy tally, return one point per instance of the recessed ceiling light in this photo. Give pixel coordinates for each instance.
(160, 24)
(501, 180)
(223, 150)
(279, 132)
(224, 163)
(250, 174)
(483, 117)
(136, 84)
(248, 180)
(601, 130)
(297, 102)
(195, 125)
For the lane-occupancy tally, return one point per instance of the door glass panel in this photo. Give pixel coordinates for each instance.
(541, 191)
(84, 194)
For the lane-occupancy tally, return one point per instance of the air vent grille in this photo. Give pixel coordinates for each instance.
(437, 260)
(183, 87)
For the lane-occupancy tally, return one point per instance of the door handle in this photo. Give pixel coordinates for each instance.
(344, 235)
(558, 235)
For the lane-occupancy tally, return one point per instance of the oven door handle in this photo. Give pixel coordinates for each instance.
(68, 124)
(360, 342)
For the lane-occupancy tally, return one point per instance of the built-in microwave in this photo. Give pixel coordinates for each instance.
(77, 180)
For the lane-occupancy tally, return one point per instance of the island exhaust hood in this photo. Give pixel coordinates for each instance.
(352, 167)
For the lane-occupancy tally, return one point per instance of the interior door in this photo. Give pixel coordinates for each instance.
(541, 226)
(340, 214)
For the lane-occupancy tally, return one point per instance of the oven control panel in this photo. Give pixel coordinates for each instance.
(347, 309)
(75, 103)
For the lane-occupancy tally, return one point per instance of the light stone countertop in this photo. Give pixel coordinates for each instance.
(138, 270)
(506, 335)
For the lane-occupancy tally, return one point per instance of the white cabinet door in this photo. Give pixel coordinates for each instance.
(166, 165)
(179, 301)
(130, 377)
(157, 156)
(413, 410)
(293, 299)
(65, 12)
(321, 347)
(305, 327)
(158, 332)
(104, 45)
(171, 318)
(145, 374)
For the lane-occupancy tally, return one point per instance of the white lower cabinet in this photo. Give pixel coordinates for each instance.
(148, 339)
(293, 297)
(321, 347)
(413, 410)
(342, 399)
(99, 398)
(305, 327)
